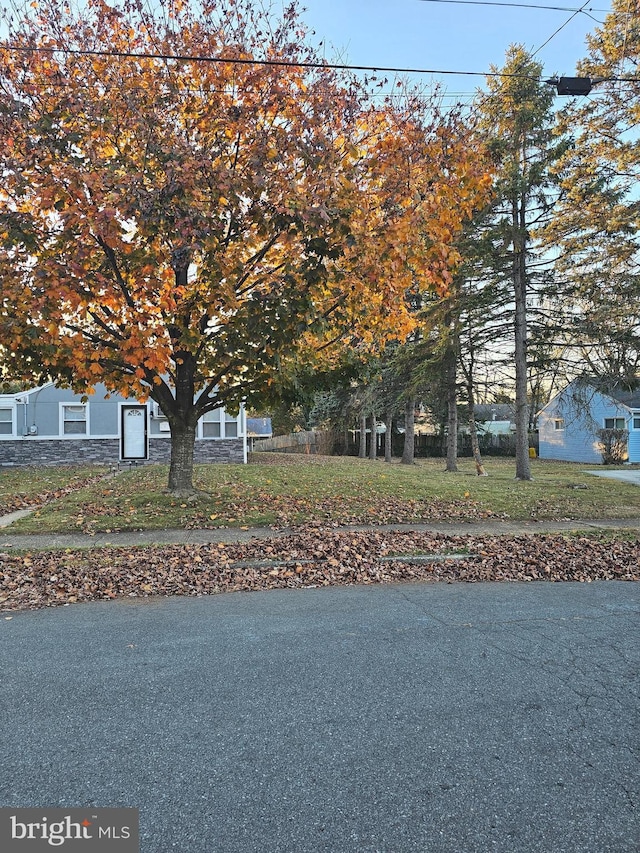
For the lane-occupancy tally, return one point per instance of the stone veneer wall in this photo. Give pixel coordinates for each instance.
(106, 451)
(212, 450)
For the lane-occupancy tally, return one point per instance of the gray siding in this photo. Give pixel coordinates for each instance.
(104, 416)
(42, 410)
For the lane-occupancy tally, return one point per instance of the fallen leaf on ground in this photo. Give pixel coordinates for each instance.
(48, 578)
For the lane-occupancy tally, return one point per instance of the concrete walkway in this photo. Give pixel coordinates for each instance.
(632, 476)
(234, 534)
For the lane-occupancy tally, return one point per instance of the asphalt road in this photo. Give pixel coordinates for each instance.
(434, 718)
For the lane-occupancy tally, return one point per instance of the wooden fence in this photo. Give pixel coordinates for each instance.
(328, 443)
(310, 441)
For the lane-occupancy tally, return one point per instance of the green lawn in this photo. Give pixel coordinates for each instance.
(22, 487)
(278, 489)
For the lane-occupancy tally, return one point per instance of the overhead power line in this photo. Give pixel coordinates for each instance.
(626, 33)
(124, 54)
(516, 5)
(280, 63)
(568, 21)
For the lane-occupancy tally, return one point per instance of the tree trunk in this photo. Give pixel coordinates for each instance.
(388, 436)
(523, 465)
(181, 468)
(181, 411)
(362, 449)
(452, 411)
(473, 432)
(373, 447)
(409, 432)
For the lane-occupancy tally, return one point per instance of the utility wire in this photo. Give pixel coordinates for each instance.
(626, 33)
(280, 63)
(517, 5)
(568, 21)
(125, 54)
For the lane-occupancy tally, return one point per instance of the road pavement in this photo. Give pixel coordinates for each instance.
(435, 718)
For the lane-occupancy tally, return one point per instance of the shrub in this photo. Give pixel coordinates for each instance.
(613, 445)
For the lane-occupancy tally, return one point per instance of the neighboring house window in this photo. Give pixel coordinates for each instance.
(558, 423)
(636, 421)
(615, 423)
(6, 421)
(74, 419)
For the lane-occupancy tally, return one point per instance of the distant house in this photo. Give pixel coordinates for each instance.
(51, 425)
(570, 424)
(258, 428)
(495, 418)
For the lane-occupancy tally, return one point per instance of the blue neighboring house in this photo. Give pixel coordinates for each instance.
(51, 425)
(568, 425)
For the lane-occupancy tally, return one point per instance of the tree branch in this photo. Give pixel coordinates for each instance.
(113, 263)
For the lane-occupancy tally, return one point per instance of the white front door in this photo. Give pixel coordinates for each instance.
(133, 440)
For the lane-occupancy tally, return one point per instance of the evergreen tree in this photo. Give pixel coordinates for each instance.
(517, 116)
(596, 225)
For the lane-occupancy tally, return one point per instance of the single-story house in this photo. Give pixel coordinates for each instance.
(258, 428)
(50, 425)
(570, 424)
(493, 419)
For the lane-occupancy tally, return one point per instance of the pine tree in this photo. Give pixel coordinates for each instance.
(596, 226)
(517, 116)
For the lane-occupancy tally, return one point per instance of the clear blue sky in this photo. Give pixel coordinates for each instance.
(417, 34)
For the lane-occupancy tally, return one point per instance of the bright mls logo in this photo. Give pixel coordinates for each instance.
(86, 830)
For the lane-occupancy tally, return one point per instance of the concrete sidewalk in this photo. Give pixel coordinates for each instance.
(235, 534)
(631, 476)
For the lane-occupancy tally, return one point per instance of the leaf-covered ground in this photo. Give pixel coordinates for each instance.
(314, 558)
(282, 490)
(28, 487)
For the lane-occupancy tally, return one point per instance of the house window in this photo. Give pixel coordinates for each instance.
(230, 426)
(558, 423)
(211, 424)
(74, 419)
(219, 424)
(615, 423)
(636, 421)
(6, 421)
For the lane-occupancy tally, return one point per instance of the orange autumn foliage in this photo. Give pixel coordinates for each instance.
(177, 227)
